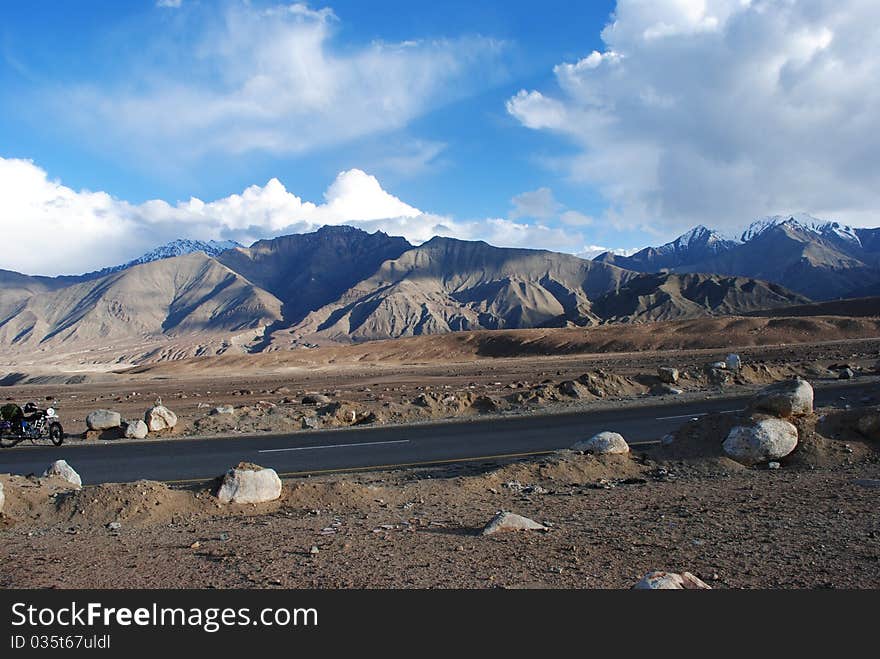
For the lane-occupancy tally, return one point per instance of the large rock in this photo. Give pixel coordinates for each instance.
(136, 429)
(103, 420)
(159, 418)
(249, 483)
(61, 469)
(785, 399)
(659, 580)
(603, 443)
(762, 441)
(504, 522)
(667, 374)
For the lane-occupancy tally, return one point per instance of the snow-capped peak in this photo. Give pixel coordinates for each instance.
(804, 222)
(184, 246)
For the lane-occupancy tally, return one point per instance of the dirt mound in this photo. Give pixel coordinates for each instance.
(565, 468)
(143, 503)
(29, 498)
(827, 438)
(338, 495)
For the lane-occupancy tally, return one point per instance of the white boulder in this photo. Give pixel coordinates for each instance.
(159, 418)
(660, 580)
(785, 399)
(764, 440)
(733, 362)
(136, 429)
(249, 483)
(61, 469)
(103, 420)
(504, 522)
(603, 443)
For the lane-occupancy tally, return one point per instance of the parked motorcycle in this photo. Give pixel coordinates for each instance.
(32, 422)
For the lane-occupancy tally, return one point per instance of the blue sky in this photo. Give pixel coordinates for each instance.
(565, 125)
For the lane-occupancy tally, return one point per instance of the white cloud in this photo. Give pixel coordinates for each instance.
(717, 111)
(592, 251)
(169, 4)
(273, 80)
(57, 230)
(539, 204)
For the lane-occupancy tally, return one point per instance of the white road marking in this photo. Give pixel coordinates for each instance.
(312, 448)
(693, 416)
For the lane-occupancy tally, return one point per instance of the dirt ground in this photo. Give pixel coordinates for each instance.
(680, 506)
(267, 399)
(812, 523)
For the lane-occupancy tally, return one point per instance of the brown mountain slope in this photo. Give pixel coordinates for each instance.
(183, 295)
(307, 271)
(667, 296)
(452, 285)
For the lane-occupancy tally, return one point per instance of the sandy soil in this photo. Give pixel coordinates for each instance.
(387, 392)
(810, 524)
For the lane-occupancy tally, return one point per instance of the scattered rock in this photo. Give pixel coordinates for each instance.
(504, 522)
(846, 374)
(159, 418)
(785, 399)
(223, 409)
(668, 374)
(103, 420)
(773, 465)
(766, 439)
(572, 389)
(665, 390)
(603, 443)
(659, 580)
(733, 362)
(63, 470)
(316, 399)
(249, 483)
(310, 423)
(136, 429)
(114, 526)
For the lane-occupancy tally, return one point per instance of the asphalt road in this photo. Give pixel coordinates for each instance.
(363, 448)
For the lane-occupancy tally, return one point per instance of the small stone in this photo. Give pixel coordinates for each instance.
(61, 469)
(660, 580)
(773, 465)
(504, 522)
(314, 550)
(114, 526)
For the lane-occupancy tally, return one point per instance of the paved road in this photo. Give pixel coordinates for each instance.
(359, 448)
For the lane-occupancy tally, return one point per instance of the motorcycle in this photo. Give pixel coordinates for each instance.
(32, 423)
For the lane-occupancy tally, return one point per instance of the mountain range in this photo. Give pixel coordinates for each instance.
(822, 260)
(340, 284)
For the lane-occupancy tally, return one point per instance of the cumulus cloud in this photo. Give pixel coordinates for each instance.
(57, 230)
(717, 111)
(169, 4)
(273, 80)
